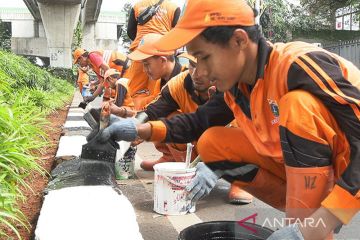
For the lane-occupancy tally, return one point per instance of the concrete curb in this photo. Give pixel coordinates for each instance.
(84, 212)
(75, 131)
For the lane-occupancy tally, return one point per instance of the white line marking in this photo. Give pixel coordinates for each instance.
(76, 124)
(75, 114)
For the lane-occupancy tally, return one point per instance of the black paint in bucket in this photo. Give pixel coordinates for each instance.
(224, 230)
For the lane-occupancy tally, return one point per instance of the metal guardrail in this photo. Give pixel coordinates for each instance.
(349, 50)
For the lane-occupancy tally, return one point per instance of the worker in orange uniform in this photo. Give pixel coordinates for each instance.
(122, 104)
(83, 80)
(100, 61)
(147, 16)
(177, 96)
(297, 144)
(159, 66)
(184, 93)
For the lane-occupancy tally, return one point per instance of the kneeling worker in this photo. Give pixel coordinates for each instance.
(184, 92)
(122, 105)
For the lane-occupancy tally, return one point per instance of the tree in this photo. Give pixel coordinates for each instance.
(77, 36)
(5, 35)
(306, 21)
(126, 41)
(274, 19)
(325, 9)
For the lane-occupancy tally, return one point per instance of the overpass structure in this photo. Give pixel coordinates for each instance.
(46, 28)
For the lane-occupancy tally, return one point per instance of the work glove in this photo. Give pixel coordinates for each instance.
(88, 99)
(203, 182)
(92, 117)
(290, 232)
(82, 105)
(120, 129)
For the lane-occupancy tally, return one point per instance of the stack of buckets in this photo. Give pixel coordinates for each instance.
(170, 181)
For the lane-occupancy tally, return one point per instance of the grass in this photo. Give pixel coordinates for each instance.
(27, 95)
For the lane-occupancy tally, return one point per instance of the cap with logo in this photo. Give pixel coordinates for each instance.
(199, 15)
(147, 49)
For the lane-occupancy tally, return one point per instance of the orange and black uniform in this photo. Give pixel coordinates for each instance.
(177, 94)
(303, 111)
(162, 22)
(167, 104)
(157, 86)
(122, 96)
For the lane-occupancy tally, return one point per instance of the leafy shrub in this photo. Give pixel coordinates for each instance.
(27, 94)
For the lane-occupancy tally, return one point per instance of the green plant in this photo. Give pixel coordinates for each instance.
(27, 94)
(126, 41)
(77, 36)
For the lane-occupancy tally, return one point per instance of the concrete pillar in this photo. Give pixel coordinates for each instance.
(88, 41)
(59, 21)
(22, 29)
(100, 36)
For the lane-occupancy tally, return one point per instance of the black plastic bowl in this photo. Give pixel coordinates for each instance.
(224, 230)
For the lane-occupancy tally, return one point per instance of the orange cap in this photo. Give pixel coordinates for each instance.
(147, 49)
(77, 53)
(188, 56)
(199, 15)
(110, 72)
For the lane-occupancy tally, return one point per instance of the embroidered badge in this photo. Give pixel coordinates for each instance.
(275, 110)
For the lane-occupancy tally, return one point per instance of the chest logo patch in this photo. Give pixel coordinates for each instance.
(275, 110)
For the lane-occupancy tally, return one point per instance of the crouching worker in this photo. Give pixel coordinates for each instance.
(160, 67)
(183, 93)
(83, 81)
(100, 61)
(122, 104)
(297, 144)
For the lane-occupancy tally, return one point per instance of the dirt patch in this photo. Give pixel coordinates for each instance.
(33, 199)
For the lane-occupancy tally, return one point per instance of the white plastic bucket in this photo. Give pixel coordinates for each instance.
(170, 181)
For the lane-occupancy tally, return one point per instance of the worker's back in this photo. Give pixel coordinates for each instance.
(161, 22)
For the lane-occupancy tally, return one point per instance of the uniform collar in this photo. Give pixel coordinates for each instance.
(176, 70)
(189, 87)
(264, 50)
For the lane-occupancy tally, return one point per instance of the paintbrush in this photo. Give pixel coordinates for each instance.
(195, 162)
(189, 148)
